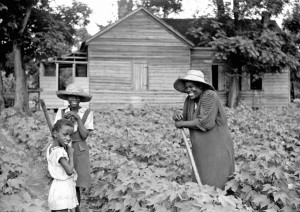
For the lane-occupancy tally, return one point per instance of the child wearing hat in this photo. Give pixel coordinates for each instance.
(82, 117)
(204, 116)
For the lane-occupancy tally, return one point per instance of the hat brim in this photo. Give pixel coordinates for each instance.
(65, 95)
(179, 84)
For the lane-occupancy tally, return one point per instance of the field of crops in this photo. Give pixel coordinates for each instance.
(139, 161)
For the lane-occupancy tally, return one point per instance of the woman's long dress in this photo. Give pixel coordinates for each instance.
(212, 144)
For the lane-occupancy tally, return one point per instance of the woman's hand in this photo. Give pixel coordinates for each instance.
(177, 116)
(179, 124)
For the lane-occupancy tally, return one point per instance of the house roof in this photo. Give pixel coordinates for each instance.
(76, 56)
(183, 26)
(160, 21)
(180, 27)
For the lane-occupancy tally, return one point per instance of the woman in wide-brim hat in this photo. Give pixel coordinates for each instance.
(82, 118)
(204, 116)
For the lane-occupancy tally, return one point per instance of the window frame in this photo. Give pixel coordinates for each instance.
(259, 82)
(215, 72)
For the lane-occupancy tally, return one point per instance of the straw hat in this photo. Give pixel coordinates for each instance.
(192, 75)
(74, 90)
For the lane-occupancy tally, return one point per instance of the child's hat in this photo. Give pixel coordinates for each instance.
(192, 75)
(74, 90)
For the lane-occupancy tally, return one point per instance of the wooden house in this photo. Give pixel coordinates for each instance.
(136, 60)
(57, 73)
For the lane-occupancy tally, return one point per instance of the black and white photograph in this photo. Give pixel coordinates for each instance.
(149, 106)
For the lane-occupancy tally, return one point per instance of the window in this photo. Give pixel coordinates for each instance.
(255, 82)
(218, 77)
(49, 70)
(215, 76)
(65, 76)
(81, 70)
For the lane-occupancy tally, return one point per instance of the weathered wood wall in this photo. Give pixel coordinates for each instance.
(202, 59)
(275, 91)
(137, 44)
(137, 60)
(49, 86)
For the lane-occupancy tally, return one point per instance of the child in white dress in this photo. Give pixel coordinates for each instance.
(62, 194)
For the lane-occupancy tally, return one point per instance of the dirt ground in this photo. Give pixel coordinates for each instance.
(33, 196)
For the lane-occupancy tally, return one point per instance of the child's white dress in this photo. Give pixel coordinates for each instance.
(62, 194)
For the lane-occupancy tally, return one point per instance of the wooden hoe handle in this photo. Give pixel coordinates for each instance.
(191, 158)
(43, 105)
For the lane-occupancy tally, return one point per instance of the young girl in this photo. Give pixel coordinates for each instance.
(62, 194)
(82, 117)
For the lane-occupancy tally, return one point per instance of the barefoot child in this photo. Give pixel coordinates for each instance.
(62, 194)
(83, 124)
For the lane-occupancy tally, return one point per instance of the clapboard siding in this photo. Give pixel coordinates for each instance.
(147, 97)
(276, 87)
(116, 75)
(137, 59)
(48, 83)
(162, 74)
(150, 97)
(201, 59)
(53, 102)
(137, 39)
(49, 87)
(139, 42)
(275, 91)
(141, 26)
(110, 75)
(261, 99)
(83, 81)
(166, 52)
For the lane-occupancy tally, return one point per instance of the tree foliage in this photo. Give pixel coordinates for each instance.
(248, 40)
(81, 35)
(266, 51)
(32, 30)
(48, 32)
(292, 20)
(124, 7)
(251, 45)
(161, 8)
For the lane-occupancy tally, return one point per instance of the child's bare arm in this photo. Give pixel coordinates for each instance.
(81, 128)
(68, 165)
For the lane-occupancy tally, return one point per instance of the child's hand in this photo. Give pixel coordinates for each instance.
(70, 150)
(72, 116)
(177, 116)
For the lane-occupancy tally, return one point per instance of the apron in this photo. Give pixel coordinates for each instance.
(81, 156)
